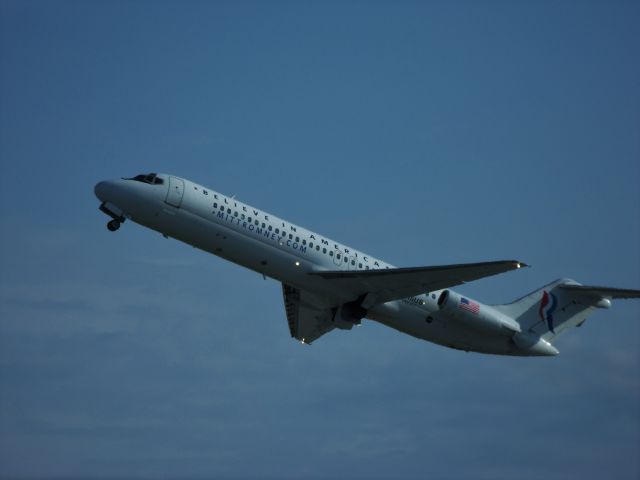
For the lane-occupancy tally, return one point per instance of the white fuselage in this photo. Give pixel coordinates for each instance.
(279, 249)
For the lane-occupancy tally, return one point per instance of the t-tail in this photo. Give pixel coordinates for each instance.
(550, 311)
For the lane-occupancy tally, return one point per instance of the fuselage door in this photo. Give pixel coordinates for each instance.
(176, 191)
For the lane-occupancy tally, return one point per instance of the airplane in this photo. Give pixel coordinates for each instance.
(327, 285)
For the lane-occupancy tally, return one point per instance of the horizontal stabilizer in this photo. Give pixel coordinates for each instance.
(384, 285)
(558, 306)
(603, 292)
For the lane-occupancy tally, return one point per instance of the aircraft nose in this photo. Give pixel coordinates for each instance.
(102, 189)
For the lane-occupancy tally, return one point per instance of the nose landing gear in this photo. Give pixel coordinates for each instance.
(115, 213)
(113, 225)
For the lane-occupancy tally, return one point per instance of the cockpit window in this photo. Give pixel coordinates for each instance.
(149, 178)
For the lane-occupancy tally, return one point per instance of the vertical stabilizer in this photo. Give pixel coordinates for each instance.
(551, 310)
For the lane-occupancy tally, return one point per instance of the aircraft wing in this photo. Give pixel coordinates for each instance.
(383, 285)
(602, 292)
(308, 318)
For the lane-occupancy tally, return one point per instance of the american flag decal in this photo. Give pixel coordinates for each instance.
(469, 305)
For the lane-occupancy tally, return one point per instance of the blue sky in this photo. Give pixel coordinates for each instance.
(421, 132)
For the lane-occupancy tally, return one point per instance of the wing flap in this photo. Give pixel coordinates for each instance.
(384, 285)
(307, 320)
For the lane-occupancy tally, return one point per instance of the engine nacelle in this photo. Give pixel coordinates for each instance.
(475, 315)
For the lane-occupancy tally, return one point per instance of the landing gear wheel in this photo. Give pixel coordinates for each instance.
(113, 225)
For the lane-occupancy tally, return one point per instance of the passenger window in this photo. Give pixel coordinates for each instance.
(304, 242)
(318, 248)
(353, 262)
(229, 210)
(250, 220)
(235, 214)
(338, 256)
(277, 230)
(331, 253)
(290, 236)
(298, 239)
(215, 205)
(258, 223)
(263, 225)
(270, 228)
(359, 265)
(324, 250)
